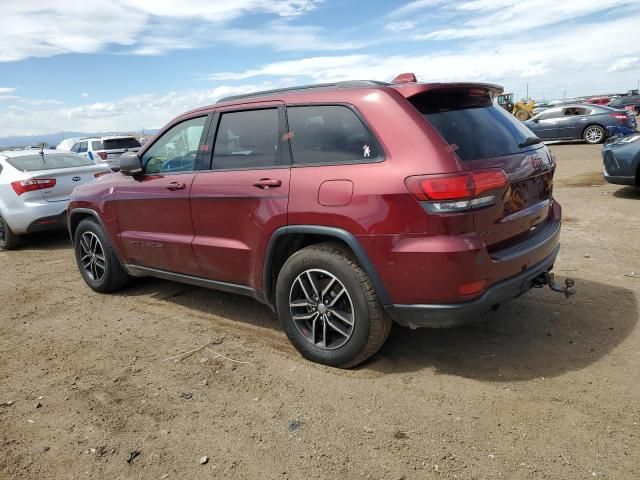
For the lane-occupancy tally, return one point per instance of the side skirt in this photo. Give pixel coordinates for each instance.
(138, 271)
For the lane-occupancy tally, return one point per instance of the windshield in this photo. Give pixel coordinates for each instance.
(32, 163)
(477, 126)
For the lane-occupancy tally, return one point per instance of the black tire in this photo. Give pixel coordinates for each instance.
(8, 239)
(114, 277)
(636, 111)
(370, 325)
(598, 136)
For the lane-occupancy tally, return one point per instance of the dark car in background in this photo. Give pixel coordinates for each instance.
(630, 101)
(621, 158)
(591, 123)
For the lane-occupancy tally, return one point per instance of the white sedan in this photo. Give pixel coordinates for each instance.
(35, 187)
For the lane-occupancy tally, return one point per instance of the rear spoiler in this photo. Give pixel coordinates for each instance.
(408, 90)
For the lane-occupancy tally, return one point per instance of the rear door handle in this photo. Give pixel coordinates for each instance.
(173, 186)
(266, 183)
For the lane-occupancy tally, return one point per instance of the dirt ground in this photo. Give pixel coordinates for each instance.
(547, 388)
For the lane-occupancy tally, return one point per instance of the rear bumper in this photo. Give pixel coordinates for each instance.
(22, 215)
(55, 222)
(457, 314)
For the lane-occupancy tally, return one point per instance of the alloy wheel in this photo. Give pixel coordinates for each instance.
(593, 134)
(321, 309)
(92, 256)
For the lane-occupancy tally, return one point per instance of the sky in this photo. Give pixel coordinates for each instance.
(120, 65)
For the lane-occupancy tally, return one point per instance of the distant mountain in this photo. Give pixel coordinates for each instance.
(52, 139)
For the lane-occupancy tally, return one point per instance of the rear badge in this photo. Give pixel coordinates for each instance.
(76, 179)
(539, 163)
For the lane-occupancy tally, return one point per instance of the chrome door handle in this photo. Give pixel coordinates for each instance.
(266, 183)
(173, 186)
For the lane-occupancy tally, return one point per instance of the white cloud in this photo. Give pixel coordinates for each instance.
(6, 90)
(130, 113)
(552, 63)
(84, 95)
(624, 64)
(496, 18)
(41, 28)
(400, 26)
(414, 6)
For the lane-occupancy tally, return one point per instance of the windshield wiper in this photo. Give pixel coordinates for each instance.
(527, 142)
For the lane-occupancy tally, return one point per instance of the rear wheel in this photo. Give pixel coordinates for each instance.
(593, 134)
(522, 115)
(8, 239)
(97, 262)
(636, 111)
(328, 307)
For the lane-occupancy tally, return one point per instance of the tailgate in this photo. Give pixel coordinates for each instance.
(486, 137)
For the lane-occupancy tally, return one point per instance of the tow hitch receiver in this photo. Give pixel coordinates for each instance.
(546, 278)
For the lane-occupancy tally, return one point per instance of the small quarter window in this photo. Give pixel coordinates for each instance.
(330, 134)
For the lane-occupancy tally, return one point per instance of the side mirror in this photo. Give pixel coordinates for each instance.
(130, 164)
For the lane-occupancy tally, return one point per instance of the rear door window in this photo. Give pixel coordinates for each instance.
(120, 143)
(96, 145)
(476, 126)
(247, 139)
(327, 134)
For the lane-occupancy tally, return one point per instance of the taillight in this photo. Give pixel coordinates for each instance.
(32, 184)
(620, 116)
(459, 191)
(102, 155)
(99, 174)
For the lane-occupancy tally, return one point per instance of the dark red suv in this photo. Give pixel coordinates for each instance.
(341, 206)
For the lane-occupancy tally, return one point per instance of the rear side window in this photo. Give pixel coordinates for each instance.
(96, 145)
(31, 163)
(551, 113)
(476, 126)
(330, 134)
(120, 143)
(247, 139)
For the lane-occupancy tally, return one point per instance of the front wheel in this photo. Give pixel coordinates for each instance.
(328, 307)
(97, 262)
(593, 134)
(8, 239)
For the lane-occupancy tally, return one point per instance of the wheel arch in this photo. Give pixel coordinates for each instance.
(77, 215)
(285, 241)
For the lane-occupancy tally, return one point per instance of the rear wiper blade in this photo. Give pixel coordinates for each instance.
(529, 141)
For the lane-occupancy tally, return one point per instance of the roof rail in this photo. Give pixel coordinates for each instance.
(345, 84)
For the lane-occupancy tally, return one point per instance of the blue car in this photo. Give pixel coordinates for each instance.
(621, 159)
(591, 123)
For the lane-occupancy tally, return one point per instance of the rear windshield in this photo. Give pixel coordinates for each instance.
(31, 163)
(474, 124)
(120, 143)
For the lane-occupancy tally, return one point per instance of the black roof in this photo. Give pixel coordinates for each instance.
(347, 84)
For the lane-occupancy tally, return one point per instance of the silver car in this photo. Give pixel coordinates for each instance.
(35, 187)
